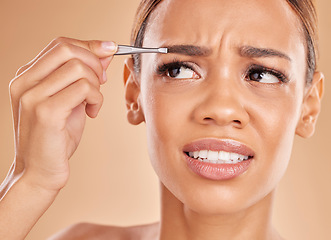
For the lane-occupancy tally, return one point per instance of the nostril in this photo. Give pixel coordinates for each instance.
(208, 120)
(236, 121)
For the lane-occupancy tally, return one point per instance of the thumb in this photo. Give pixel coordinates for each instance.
(102, 49)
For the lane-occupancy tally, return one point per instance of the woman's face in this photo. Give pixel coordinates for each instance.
(231, 89)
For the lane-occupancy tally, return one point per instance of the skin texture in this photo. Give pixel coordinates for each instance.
(52, 95)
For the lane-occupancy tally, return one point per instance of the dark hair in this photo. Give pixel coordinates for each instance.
(139, 27)
(304, 9)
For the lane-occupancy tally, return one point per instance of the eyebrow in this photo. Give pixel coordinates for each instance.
(253, 52)
(189, 50)
(245, 51)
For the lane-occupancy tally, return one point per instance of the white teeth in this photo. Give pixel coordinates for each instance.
(234, 156)
(226, 156)
(212, 156)
(203, 154)
(222, 155)
(217, 157)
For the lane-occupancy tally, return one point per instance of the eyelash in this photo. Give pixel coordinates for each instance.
(261, 69)
(163, 69)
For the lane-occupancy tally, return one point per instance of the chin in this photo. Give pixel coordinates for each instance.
(221, 201)
(208, 197)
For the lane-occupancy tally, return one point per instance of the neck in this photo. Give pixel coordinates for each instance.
(180, 222)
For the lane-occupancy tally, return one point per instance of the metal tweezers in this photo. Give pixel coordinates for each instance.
(125, 50)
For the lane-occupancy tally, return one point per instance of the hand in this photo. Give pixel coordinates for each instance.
(51, 97)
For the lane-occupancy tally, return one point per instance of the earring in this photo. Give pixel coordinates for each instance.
(134, 106)
(309, 119)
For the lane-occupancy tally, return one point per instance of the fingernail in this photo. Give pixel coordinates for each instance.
(104, 76)
(109, 46)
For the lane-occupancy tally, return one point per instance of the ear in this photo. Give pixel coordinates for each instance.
(135, 113)
(311, 107)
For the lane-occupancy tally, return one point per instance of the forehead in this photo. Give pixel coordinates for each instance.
(260, 23)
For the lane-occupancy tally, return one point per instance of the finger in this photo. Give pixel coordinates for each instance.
(67, 74)
(81, 91)
(56, 57)
(45, 65)
(49, 62)
(101, 49)
(106, 61)
(55, 110)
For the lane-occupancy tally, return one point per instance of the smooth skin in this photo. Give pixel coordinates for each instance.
(216, 102)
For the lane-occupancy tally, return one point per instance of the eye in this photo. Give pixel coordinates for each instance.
(265, 75)
(177, 70)
(181, 73)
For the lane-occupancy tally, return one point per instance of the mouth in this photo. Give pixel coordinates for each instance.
(218, 157)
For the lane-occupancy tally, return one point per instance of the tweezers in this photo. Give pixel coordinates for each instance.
(124, 50)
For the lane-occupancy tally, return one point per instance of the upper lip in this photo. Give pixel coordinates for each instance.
(214, 144)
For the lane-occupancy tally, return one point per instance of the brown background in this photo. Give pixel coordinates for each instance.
(111, 179)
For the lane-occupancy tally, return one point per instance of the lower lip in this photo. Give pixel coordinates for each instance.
(217, 171)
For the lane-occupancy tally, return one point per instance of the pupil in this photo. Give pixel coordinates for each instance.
(173, 72)
(256, 76)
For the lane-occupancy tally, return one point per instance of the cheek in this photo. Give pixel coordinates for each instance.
(168, 125)
(274, 121)
(163, 123)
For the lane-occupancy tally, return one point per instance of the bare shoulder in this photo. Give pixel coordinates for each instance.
(89, 231)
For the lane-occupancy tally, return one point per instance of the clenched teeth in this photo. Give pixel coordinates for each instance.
(217, 157)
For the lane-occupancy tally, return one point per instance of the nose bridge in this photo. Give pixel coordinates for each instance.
(223, 99)
(226, 85)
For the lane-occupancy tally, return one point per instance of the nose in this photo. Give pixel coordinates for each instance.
(222, 103)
